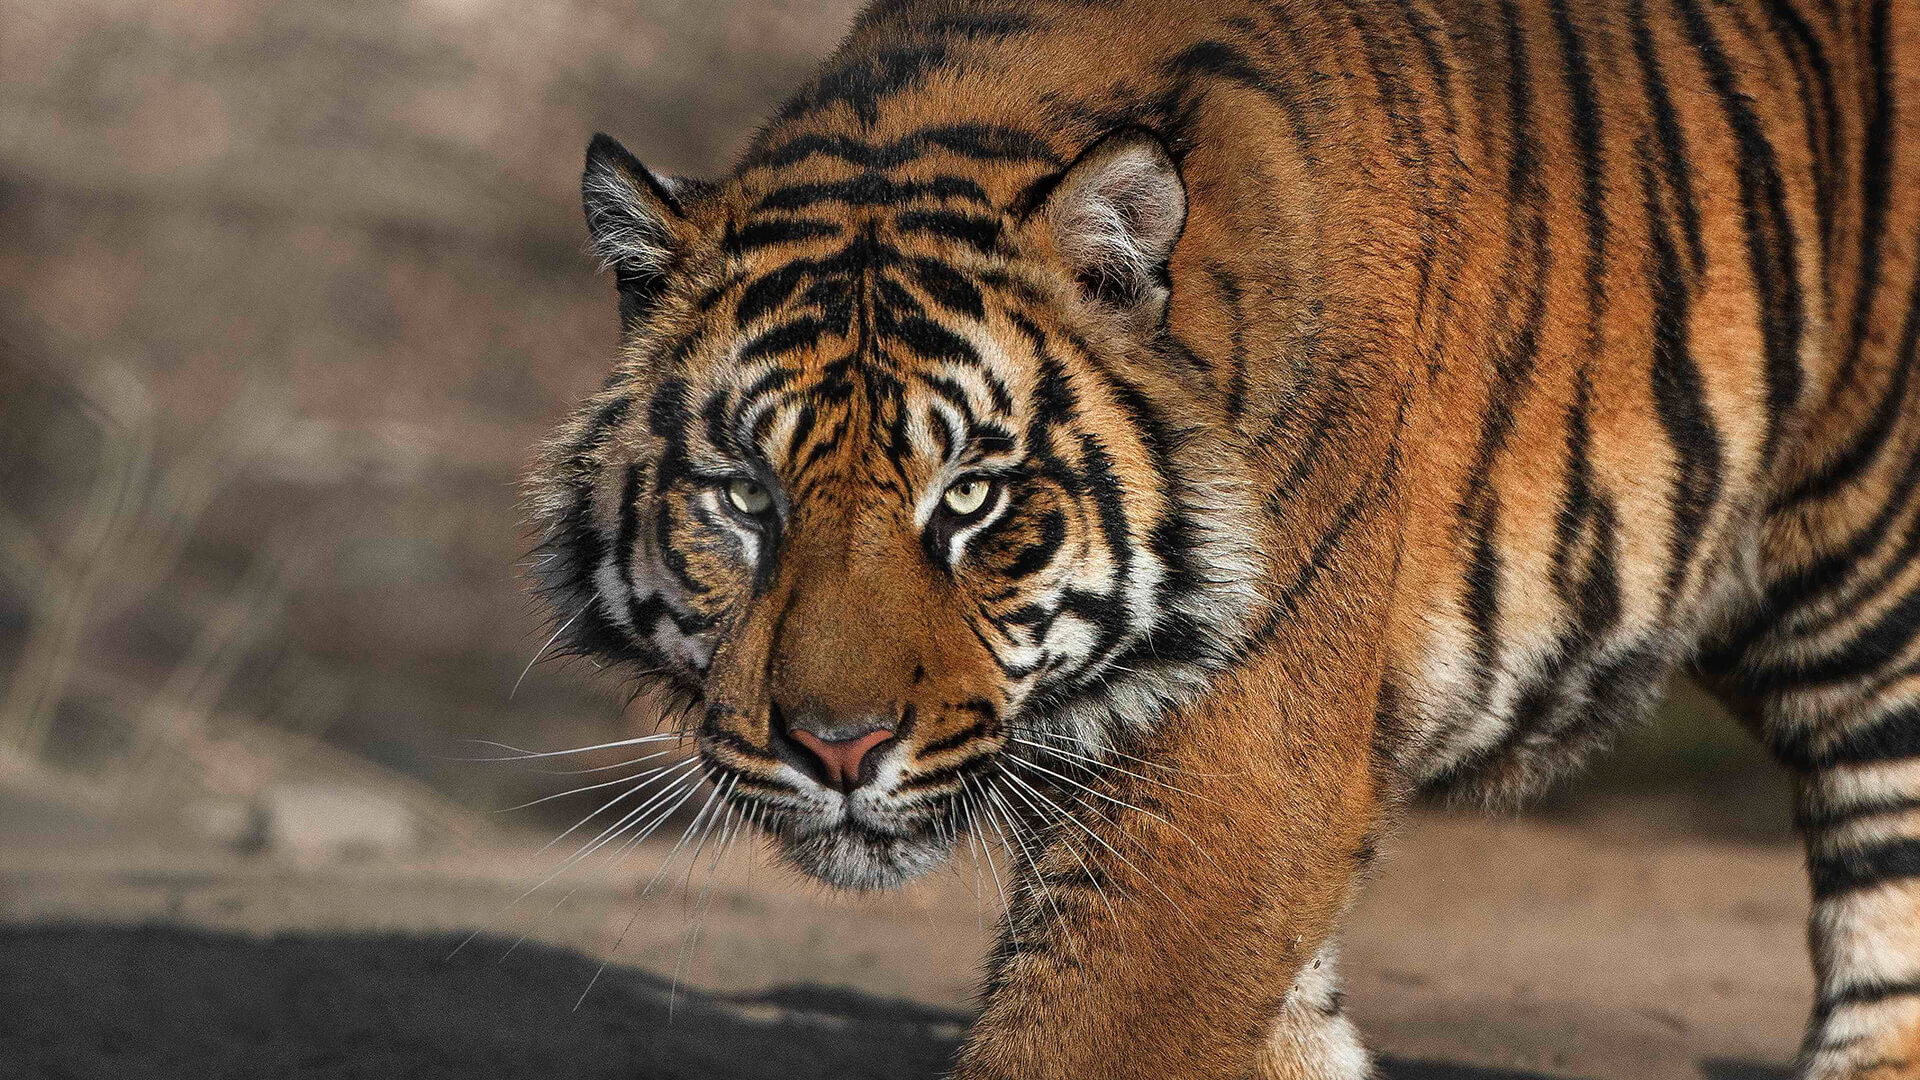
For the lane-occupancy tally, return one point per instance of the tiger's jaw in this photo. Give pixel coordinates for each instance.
(853, 852)
(880, 835)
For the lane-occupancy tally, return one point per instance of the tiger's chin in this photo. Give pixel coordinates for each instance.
(849, 855)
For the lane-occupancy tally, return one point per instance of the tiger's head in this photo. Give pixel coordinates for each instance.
(895, 474)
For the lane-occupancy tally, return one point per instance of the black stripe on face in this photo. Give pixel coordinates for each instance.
(1038, 555)
(873, 189)
(979, 729)
(770, 290)
(753, 236)
(802, 333)
(1772, 256)
(629, 532)
(976, 231)
(948, 288)
(929, 339)
(1863, 868)
(978, 142)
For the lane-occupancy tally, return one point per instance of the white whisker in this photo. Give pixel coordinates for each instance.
(655, 771)
(591, 600)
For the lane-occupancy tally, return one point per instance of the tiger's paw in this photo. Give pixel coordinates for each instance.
(1312, 1038)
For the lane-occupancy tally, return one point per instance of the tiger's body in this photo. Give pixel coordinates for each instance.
(1360, 398)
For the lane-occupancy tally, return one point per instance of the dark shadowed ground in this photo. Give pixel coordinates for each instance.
(162, 1001)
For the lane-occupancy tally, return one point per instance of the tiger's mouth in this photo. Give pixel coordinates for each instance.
(863, 846)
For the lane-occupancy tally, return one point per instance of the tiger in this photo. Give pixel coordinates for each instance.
(1165, 439)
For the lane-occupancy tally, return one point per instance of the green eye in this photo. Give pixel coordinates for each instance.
(748, 497)
(968, 496)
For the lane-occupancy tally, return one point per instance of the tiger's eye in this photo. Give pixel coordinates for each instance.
(748, 497)
(968, 496)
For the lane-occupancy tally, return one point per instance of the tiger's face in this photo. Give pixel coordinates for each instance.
(872, 488)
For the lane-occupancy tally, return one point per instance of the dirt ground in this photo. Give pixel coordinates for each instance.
(1485, 950)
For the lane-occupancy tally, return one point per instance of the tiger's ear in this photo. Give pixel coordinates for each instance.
(1114, 215)
(637, 222)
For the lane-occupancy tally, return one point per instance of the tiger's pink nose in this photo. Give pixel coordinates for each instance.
(841, 758)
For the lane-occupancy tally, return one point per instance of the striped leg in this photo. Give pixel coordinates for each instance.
(1312, 1038)
(1859, 809)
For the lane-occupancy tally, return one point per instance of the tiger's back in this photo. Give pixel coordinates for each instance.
(1511, 354)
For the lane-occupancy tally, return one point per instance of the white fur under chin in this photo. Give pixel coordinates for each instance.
(861, 860)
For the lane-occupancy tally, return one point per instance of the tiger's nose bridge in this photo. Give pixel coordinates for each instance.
(852, 646)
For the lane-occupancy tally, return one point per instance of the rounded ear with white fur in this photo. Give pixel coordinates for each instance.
(636, 222)
(1115, 215)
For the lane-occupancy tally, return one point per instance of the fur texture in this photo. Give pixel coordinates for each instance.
(1371, 397)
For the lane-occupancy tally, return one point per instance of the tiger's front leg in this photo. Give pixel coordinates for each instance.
(1312, 1038)
(1166, 922)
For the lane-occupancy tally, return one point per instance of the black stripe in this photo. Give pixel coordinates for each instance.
(1878, 151)
(1847, 466)
(1221, 60)
(862, 81)
(1674, 159)
(1862, 868)
(1892, 737)
(1878, 645)
(974, 230)
(1585, 106)
(801, 333)
(1821, 113)
(743, 239)
(1818, 818)
(980, 142)
(948, 287)
(628, 533)
(1514, 362)
(1406, 137)
(1679, 398)
(979, 729)
(872, 189)
(1772, 256)
(1827, 573)
(1866, 993)
(1369, 495)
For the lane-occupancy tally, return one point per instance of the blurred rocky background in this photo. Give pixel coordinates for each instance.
(287, 291)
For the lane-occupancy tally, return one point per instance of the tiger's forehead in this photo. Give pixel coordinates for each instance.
(894, 164)
(838, 339)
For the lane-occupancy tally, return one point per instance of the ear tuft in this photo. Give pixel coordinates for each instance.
(1115, 215)
(635, 223)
